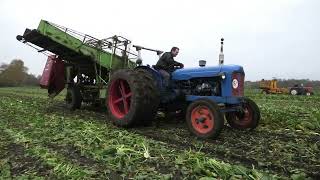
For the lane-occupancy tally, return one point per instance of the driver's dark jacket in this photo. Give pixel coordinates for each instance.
(167, 63)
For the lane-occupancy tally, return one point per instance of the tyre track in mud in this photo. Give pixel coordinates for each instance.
(160, 124)
(23, 162)
(181, 140)
(232, 158)
(176, 135)
(19, 160)
(73, 153)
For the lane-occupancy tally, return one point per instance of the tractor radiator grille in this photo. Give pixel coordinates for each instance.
(237, 84)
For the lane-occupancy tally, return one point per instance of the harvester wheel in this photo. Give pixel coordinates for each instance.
(204, 118)
(130, 98)
(248, 119)
(73, 98)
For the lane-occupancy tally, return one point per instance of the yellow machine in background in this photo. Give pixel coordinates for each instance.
(270, 87)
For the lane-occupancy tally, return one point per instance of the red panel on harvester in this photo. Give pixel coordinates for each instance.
(57, 80)
(53, 76)
(47, 72)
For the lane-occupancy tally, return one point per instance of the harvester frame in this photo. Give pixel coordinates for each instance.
(88, 62)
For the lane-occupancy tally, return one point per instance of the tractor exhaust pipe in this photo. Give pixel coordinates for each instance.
(202, 63)
(221, 55)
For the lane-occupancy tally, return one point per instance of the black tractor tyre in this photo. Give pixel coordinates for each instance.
(131, 98)
(73, 98)
(201, 124)
(153, 94)
(247, 120)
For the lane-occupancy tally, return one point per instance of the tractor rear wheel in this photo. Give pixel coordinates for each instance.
(152, 93)
(248, 119)
(204, 118)
(73, 98)
(131, 99)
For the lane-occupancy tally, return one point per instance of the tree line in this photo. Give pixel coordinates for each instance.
(16, 74)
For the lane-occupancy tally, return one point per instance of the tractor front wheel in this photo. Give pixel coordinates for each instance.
(73, 98)
(204, 119)
(247, 119)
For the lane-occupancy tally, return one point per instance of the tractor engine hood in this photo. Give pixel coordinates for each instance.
(189, 73)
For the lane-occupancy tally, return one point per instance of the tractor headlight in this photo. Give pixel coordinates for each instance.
(223, 76)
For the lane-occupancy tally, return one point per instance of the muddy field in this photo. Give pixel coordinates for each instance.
(41, 138)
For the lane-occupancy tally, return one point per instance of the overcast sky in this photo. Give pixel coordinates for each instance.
(269, 38)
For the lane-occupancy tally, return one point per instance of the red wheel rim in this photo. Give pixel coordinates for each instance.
(202, 119)
(119, 98)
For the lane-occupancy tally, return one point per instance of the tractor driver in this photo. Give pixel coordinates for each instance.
(166, 64)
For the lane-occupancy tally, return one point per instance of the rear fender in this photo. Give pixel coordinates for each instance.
(156, 75)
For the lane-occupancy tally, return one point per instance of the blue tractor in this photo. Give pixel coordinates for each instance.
(206, 96)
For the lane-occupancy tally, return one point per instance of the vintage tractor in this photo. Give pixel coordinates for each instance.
(300, 90)
(93, 71)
